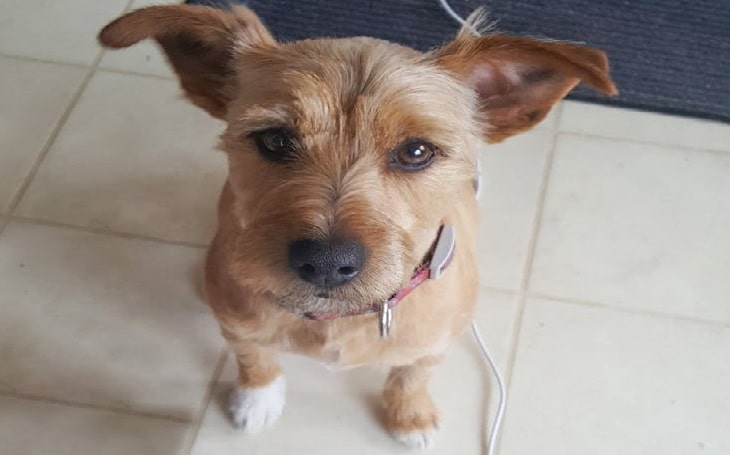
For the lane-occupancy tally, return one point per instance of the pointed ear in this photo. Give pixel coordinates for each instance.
(201, 44)
(519, 79)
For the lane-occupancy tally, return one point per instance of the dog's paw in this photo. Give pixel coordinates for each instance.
(413, 420)
(417, 440)
(253, 409)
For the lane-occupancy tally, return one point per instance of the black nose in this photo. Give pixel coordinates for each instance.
(326, 263)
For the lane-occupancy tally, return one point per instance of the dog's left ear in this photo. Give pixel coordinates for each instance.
(519, 79)
(200, 43)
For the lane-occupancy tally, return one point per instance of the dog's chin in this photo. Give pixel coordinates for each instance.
(321, 303)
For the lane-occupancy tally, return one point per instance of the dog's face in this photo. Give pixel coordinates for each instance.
(346, 156)
(357, 147)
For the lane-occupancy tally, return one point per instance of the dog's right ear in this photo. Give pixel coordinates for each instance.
(201, 44)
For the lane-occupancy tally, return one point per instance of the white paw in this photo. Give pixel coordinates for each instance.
(254, 409)
(417, 440)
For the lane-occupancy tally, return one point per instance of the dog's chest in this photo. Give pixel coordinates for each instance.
(340, 347)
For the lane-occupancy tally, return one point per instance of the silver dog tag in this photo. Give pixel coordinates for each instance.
(385, 317)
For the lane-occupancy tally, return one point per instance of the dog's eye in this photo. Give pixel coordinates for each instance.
(413, 155)
(275, 144)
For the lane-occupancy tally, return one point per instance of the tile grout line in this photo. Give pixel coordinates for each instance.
(192, 436)
(683, 148)
(27, 58)
(532, 244)
(527, 267)
(626, 310)
(20, 192)
(603, 306)
(93, 407)
(105, 69)
(136, 73)
(498, 290)
(106, 232)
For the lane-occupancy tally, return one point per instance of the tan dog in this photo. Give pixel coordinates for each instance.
(347, 158)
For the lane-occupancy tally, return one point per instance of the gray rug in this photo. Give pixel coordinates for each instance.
(668, 56)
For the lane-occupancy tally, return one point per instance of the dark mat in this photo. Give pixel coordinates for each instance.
(670, 56)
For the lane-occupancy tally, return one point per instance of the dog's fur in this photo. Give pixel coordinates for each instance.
(350, 102)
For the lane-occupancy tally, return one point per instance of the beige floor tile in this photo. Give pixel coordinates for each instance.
(334, 413)
(52, 30)
(602, 382)
(638, 226)
(133, 157)
(42, 428)
(33, 97)
(103, 320)
(145, 57)
(511, 176)
(584, 118)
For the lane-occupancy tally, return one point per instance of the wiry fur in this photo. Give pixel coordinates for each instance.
(349, 103)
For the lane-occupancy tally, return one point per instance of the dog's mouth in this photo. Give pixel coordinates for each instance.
(310, 302)
(319, 304)
(323, 302)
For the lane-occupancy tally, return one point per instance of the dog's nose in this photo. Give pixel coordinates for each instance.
(326, 264)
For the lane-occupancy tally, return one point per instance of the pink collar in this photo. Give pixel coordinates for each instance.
(434, 265)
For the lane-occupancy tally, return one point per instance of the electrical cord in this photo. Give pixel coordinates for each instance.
(497, 424)
(450, 11)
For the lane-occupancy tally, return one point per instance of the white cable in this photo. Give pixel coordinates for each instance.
(497, 424)
(450, 11)
(455, 16)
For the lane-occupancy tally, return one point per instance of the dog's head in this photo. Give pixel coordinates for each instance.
(346, 155)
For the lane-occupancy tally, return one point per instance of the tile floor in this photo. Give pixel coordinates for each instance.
(605, 264)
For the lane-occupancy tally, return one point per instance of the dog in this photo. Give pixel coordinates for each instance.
(347, 226)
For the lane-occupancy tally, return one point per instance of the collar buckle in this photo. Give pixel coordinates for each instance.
(443, 253)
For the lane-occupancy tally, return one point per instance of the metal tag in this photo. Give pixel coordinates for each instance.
(385, 318)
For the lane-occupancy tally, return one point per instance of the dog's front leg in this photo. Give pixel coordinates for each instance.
(258, 398)
(410, 414)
